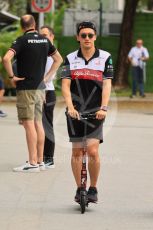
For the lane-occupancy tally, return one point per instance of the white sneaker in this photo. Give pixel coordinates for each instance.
(42, 166)
(27, 168)
(2, 114)
(50, 165)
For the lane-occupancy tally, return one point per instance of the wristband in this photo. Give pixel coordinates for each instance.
(12, 76)
(104, 108)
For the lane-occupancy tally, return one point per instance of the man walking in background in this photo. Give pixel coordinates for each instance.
(137, 56)
(48, 108)
(31, 51)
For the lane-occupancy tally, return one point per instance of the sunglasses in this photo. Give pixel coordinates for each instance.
(87, 35)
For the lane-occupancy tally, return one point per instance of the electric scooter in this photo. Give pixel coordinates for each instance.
(83, 193)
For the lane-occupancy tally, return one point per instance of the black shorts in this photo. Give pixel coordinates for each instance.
(76, 129)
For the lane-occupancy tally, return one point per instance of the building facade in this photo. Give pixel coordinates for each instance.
(106, 14)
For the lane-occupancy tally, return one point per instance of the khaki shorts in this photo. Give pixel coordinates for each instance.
(29, 104)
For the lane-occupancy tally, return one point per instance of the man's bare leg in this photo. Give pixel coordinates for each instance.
(40, 140)
(2, 91)
(31, 137)
(93, 161)
(76, 162)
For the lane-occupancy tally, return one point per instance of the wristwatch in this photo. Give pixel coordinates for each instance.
(104, 108)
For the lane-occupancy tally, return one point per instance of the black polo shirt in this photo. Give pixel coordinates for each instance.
(87, 78)
(31, 51)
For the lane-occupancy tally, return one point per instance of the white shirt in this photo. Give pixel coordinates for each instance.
(136, 54)
(49, 85)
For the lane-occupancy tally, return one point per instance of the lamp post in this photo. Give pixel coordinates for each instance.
(52, 12)
(41, 19)
(100, 22)
(100, 18)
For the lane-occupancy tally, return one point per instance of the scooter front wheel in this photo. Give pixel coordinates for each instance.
(83, 203)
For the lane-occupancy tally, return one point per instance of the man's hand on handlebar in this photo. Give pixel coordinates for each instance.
(101, 114)
(73, 113)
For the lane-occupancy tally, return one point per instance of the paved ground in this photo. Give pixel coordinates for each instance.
(44, 201)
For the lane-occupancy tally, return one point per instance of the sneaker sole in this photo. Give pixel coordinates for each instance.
(27, 171)
(77, 201)
(50, 167)
(91, 201)
(42, 168)
(3, 115)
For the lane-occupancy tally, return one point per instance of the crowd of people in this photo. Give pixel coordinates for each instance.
(86, 86)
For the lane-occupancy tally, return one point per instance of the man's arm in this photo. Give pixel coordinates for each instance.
(130, 55)
(101, 114)
(130, 59)
(106, 88)
(57, 61)
(107, 84)
(145, 57)
(66, 83)
(8, 66)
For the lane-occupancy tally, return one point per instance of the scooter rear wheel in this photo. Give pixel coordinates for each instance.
(83, 200)
(83, 203)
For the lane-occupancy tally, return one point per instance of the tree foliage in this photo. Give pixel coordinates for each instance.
(17, 7)
(60, 3)
(56, 20)
(4, 5)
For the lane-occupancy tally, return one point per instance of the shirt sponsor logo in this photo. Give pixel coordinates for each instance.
(75, 63)
(87, 74)
(37, 41)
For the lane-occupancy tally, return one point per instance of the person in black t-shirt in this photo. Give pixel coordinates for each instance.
(86, 86)
(31, 51)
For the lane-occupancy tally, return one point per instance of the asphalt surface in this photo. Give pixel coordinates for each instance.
(44, 201)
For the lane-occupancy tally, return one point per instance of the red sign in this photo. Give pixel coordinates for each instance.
(41, 6)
